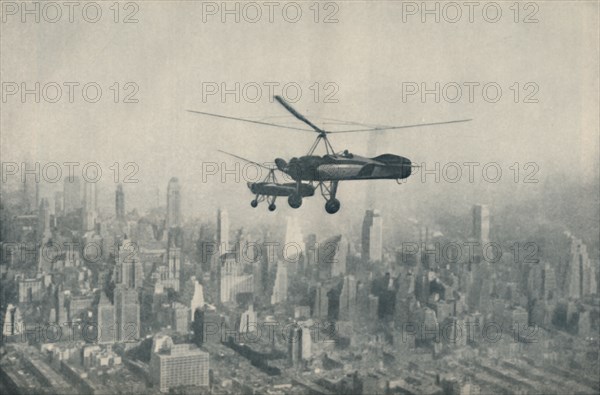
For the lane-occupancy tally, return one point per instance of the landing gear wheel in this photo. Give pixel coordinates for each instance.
(295, 200)
(332, 206)
(254, 203)
(272, 207)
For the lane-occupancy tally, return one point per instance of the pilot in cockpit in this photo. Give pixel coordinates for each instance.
(346, 154)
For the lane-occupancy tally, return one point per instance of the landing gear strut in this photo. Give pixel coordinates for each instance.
(332, 205)
(271, 202)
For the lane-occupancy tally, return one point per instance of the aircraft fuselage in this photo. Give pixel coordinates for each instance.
(346, 167)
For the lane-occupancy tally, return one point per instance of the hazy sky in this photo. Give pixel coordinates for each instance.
(369, 55)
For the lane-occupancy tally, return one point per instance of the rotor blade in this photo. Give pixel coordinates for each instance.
(297, 114)
(245, 160)
(249, 120)
(342, 122)
(399, 127)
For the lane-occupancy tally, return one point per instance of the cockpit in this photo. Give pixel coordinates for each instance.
(346, 154)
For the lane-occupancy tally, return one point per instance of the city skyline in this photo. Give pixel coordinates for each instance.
(166, 226)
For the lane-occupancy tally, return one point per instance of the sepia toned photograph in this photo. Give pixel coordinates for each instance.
(308, 197)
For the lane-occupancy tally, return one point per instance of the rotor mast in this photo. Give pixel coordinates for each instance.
(328, 147)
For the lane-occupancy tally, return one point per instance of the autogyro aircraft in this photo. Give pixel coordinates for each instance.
(269, 188)
(328, 170)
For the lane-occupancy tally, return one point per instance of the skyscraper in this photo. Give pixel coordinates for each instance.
(321, 304)
(120, 202)
(332, 256)
(174, 267)
(222, 231)
(61, 311)
(44, 218)
(541, 281)
(372, 236)
(549, 282)
(59, 204)
(280, 288)
(348, 298)
(128, 270)
(299, 344)
(180, 317)
(173, 203)
(481, 224)
(311, 250)
(13, 322)
(106, 320)
(294, 241)
(90, 212)
(232, 280)
(197, 301)
(72, 194)
(127, 313)
(31, 186)
(581, 276)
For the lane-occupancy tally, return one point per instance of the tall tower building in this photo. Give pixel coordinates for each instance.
(581, 275)
(280, 289)
(26, 199)
(59, 204)
(332, 256)
(549, 282)
(72, 194)
(348, 298)
(90, 212)
(13, 322)
(37, 195)
(173, 203)
(120, 202)
(174, 266)
(294, 241)
(128, 270)
(299, 344)
(311, 250)
(294, 343)
(321, 304)
(44, 217)
(61, 309)
(127, 313)
(541, 281)
(481, 224)
(30, 203)
(197, 301)
(372, 236)
(222, 231)
(231, 279)
(106, 320)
